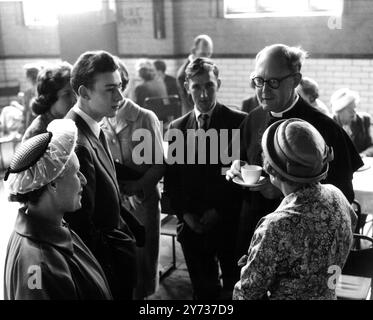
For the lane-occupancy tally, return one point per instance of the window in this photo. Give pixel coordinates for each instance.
(45, 12)
(283, 8)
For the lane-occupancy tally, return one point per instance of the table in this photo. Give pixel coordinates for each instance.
(363, 186)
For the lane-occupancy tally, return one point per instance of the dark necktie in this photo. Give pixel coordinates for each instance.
(203, 120)
(105, 145)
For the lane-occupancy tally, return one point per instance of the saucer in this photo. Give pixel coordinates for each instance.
(366, 166)
(261, 181)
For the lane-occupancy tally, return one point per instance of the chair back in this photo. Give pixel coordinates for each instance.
(166, 108)
(355, 281)
(360, 260)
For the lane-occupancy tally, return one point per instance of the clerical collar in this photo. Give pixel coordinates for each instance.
(279, 114)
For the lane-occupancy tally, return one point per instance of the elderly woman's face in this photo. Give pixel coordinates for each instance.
(347, 115)
(70, 186)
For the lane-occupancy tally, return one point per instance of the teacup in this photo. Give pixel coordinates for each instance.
(251, 173)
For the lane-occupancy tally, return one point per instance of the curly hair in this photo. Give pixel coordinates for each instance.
(50, 80)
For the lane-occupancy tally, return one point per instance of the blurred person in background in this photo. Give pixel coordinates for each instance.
(250, 103)
(308, 89)
(150, 86)
(11, 121)
(45, 259)
(32, 70)
(357, 124)
(202, 48)
(169, 81)
(139, 188)
(54, 99)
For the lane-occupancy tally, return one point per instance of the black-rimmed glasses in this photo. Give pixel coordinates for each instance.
(274, 83)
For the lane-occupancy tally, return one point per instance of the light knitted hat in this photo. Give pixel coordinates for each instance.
(342, 98)
(297, 151)
(42, 158)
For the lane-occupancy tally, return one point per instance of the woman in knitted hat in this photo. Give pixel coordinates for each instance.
(45, 259)
(55, 97)
(295, 248)
(357, 124)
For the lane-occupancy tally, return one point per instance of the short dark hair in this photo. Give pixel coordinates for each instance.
(160, 65)
(200, 65)
(88, 65)
(50, 80)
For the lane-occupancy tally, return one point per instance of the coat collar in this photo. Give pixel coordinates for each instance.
(96, 145)
(41, 231)
(127, 114)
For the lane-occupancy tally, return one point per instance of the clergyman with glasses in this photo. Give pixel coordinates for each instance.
(277, 74)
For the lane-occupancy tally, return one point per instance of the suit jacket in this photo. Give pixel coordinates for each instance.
(198, 187)
(99, 222)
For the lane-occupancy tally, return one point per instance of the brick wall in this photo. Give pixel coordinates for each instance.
(11, 70)
(17, 39)
(331, 74)
(248, 36)
(136, 32)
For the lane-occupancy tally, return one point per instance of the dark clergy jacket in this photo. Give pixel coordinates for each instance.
(99, 222)
(346, 159)
(199, 187)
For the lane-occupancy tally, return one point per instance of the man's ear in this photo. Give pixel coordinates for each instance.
(297, 79)
(52, 186)
(83, 92)
(219, 83)
(186, 86)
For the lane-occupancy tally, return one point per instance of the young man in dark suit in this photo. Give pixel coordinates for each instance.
(206, 205)
(101, 220)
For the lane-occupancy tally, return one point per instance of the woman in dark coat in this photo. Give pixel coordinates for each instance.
(55, 97)
(45, 258)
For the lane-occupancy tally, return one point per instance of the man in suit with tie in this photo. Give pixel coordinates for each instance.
(100, 222)
(206, 205)
(277, 74)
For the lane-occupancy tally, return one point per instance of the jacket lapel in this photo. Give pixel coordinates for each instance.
(97, 146)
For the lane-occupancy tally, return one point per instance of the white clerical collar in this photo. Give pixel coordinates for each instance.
(279, 114)
(209, 113)
(92, 124)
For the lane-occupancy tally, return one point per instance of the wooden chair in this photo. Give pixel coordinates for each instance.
(355, 283)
